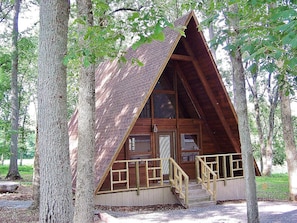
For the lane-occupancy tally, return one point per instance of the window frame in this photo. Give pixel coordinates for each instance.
(187, 151)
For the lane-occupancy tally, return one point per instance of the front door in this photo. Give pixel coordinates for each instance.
(165, 149)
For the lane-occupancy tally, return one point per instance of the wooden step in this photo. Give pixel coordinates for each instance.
(197, 196)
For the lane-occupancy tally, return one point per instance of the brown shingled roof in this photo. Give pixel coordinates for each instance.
(123, 89)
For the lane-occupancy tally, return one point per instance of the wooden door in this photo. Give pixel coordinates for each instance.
(165, 149)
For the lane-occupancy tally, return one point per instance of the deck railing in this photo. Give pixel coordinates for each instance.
(179, 181)
(226, 166)
(129, 175)
(125, 175)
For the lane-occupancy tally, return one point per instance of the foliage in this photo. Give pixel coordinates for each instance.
(27, 45)
(117, 25)
(265, 37)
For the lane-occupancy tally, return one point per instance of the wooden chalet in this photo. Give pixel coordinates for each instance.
(164, 129)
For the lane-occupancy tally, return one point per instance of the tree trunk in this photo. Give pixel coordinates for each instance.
(243, 124)
(36, 176)
(290, 145)
(56, 203)
(13, 172)
(273, 95)
(84, 196)
(254, 90)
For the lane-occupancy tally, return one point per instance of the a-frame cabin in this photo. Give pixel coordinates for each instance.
(159, 125)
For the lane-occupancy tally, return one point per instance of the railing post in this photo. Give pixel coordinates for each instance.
(137, 177)
(111, 180)
(225, 169)
(231, 165)
(197, 169)
(170, 170)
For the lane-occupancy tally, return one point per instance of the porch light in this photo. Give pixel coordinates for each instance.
(155, 128)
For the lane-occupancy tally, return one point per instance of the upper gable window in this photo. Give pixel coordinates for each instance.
(146, 111)
(164, 106)
(166, 80)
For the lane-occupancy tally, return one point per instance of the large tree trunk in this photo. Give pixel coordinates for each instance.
(56, 202)
(243, 124)
(290, 145)
(84, 196)
(13, 172)
(245, 139)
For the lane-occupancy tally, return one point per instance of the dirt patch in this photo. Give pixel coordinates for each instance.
(23, 192)
(13, 215)
(150, 208)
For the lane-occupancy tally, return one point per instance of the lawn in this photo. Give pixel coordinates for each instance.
(26, 172)
(275, 187)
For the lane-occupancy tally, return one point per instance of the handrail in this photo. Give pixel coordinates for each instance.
(205, 176)
(179, 181)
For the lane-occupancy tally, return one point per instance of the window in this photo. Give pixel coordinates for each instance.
(139, 147)
(164, 105)
(189, 147)
(146, 111)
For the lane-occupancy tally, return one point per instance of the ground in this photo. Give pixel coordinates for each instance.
(269, 211)
(24, 193)
(12, 215)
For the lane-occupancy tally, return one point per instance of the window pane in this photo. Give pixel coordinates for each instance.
(146, 111)
(189, 156)
(166, 80)
(140, 144)
(164, 106)
(189, 142)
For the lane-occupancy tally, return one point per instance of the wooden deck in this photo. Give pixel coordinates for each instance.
(214, 173)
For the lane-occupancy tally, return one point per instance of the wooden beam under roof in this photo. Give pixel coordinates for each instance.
(212, 97)
(181, 57)
(195, 103)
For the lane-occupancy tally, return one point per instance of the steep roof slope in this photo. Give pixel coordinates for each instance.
(123, 89)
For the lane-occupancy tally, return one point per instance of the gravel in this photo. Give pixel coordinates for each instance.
(231, 212)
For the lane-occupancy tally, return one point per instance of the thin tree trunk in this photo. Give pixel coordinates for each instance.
(273, 100)
(254, 90)
(290, 145)
(13, 172)
(56, 201)
(84, 196)
(243, 125)
(36, 177)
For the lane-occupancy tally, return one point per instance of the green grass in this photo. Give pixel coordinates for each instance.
(275, 187)
(25, 171)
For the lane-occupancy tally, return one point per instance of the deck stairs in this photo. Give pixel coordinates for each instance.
(198, 197)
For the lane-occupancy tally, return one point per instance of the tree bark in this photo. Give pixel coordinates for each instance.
(13, 172)
(36, 176)
(56, 203)
(243, 124)
(84, 196)
(290, 144)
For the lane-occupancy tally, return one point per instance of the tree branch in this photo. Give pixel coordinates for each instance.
(126, 9)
